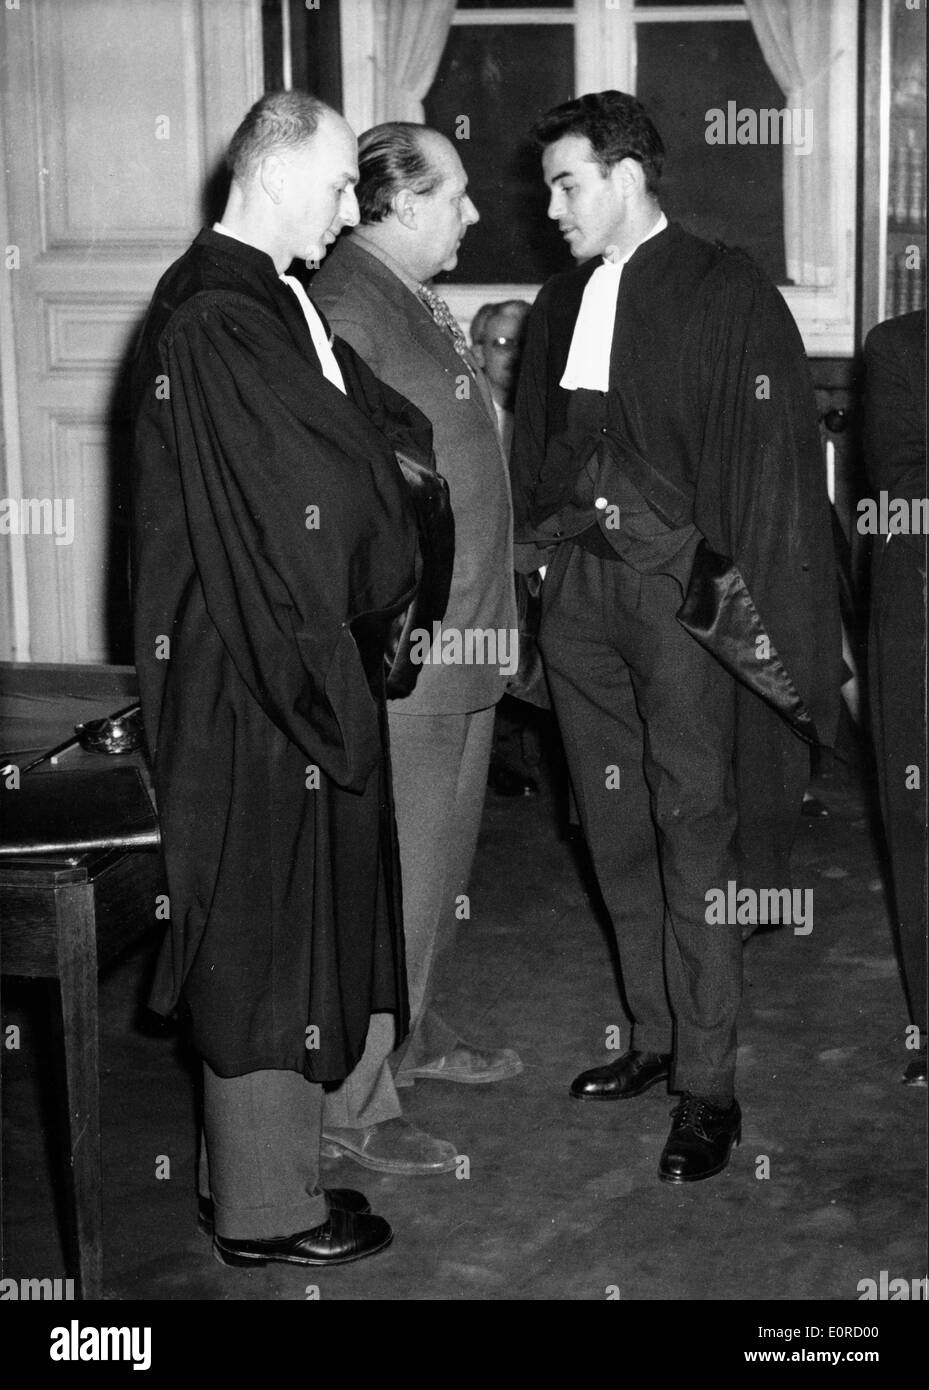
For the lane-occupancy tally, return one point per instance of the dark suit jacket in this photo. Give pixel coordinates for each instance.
(389, 327)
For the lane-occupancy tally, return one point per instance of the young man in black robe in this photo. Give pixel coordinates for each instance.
(666, 465)
(273, 544)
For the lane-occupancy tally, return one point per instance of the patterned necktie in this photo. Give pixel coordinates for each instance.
(444, 317)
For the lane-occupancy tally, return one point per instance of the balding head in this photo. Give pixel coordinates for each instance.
(278, 121)
(294, 168)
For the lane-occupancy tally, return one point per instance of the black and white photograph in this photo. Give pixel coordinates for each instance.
(463, 739)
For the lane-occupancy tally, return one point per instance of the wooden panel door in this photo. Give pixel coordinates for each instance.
(114, 117)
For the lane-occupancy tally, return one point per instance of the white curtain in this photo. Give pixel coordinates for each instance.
(411, 36)
(796, 39)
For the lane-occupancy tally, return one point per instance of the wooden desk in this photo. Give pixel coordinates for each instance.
(65, 919)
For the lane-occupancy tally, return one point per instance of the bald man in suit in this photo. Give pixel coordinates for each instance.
(375, 291)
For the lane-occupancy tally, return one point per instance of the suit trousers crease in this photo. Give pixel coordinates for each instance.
(641, 704)
(259, 1153)
(440, 764)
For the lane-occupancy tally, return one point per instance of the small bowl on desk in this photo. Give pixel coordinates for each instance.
(121, 733)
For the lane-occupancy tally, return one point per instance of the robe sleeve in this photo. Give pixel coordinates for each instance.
(761, 492)
(527, 451)
(295, 528)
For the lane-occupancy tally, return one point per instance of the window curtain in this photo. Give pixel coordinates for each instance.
(796, 39)
(411, 36)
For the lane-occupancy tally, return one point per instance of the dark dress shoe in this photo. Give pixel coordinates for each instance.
(915, 1073)
(700, 1140)
(339, 1198)
(629, 1075)
(343, 1237)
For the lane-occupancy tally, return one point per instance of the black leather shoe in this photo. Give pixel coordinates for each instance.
(339, 1198)
(629, 1075)
(915, 1073)
(700, 1140)
(343, 1237)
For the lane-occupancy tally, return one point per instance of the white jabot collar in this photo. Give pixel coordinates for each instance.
(588, 364)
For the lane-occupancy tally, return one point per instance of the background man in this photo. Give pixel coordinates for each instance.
(415, 211)
(268, 513)
(664, 402)
(497, 332)
(895, 457)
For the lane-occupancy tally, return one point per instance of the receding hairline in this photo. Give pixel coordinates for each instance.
(328, 123)
(441, 142)
(309, 144)
(335, 119)
(430, 143)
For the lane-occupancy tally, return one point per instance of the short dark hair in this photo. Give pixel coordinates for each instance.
(278, 120)
(490, 311)
(617, 126)
(390, 157)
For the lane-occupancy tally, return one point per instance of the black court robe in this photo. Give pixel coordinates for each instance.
(711, 413)
(273, 538)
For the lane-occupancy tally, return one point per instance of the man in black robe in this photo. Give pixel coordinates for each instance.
(895, 458)
(274, 542)
(666, 465)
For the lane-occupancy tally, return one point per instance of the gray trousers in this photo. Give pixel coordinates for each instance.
(440, 767)
(647, 719)
(259, 1153)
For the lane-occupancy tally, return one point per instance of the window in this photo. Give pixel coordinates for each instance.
(725, 192)
(301, 48)
(504, 64)
(634, 39)
(501, 77)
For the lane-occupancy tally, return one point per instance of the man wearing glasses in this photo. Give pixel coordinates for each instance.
(496, 339)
